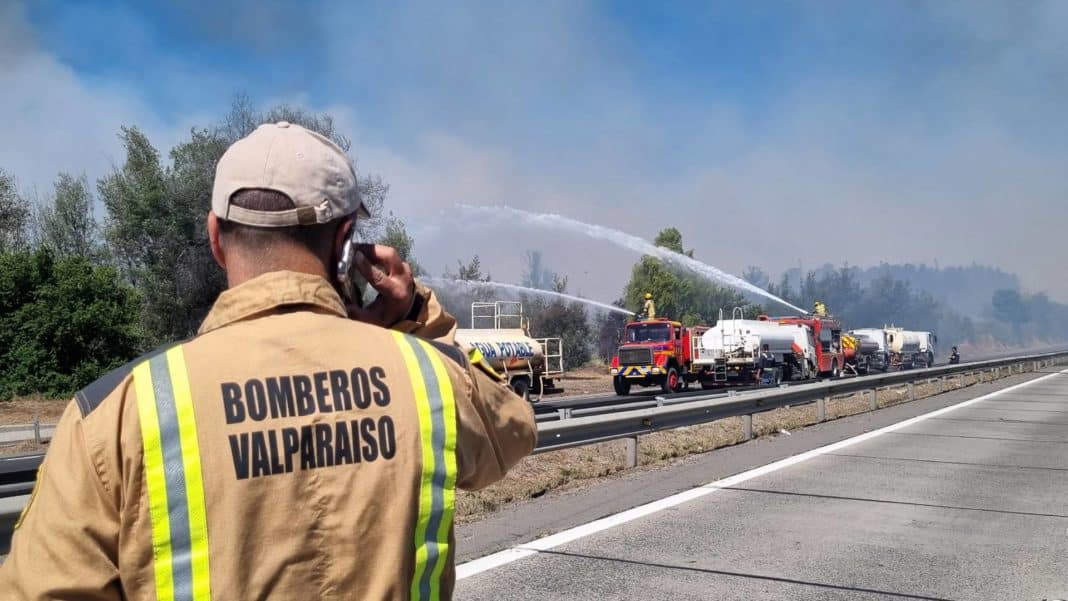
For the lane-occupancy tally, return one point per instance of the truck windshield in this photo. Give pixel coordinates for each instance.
(649, 332)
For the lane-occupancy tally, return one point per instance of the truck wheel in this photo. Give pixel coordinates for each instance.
(622, 385)
(672, 382)
(835, 372)
(521, 386)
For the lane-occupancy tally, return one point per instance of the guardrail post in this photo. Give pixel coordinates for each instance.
(960, 380)
(732, 393)
(632, 451)
(872, 400)
(747, 426)
(564, 412)
(941, 385)
(36, 429)
(912, 391)
(821, 409)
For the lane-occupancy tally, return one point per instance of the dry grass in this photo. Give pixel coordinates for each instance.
(21, 410)
(21, 448)
(582, 466)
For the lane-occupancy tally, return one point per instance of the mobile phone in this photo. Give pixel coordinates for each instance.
(352, 284)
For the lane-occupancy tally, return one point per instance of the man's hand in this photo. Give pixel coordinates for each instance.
(392, 277)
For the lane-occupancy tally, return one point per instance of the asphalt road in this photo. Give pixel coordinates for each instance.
(968, 504)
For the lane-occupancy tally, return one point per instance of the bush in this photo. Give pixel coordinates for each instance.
(63, 323)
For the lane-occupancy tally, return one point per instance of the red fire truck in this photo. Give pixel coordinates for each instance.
(656, 352)
(827, 331)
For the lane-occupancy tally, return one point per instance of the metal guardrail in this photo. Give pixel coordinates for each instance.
(631, 423)
(593, 425)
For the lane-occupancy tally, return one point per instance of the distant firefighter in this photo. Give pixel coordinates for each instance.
(650, 306)
(819, 308)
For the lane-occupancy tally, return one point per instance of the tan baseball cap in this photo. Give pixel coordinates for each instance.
(305, 166)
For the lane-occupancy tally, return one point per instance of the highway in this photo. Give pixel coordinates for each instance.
(959, 496)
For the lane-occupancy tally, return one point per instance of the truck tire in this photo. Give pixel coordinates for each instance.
(672, 381)
(835, 372)
(521, 386)
(622, 385)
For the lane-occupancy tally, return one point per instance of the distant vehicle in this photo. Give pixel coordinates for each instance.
(830, 355)
(872, 350)
(500, 333)
(910, 349)
(730, 350)
(656, 352)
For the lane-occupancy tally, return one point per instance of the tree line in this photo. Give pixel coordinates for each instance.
(93, 273)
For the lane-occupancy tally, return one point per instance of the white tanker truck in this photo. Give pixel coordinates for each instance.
(910, 349)
(873, 349)
(499, 332)
(732, 347)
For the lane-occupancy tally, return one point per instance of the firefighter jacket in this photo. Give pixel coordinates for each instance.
(285, 452)
(650, 309)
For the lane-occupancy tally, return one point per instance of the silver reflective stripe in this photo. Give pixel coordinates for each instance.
(437, 506)
(177, 503)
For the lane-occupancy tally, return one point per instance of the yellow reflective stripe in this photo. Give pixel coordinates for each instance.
(448, 409)
(426, 480)
(155, 481)
(194, 483)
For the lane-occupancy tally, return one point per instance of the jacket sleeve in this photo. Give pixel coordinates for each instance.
(66, 542)
(428, 319)
(496, 429)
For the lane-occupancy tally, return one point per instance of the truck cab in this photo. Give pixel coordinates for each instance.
(653, 352)
(827, 331)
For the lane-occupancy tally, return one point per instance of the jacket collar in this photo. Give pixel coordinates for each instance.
(268, 294)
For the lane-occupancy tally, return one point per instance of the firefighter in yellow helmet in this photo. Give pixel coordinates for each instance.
(650, 307)
(296, 448)
(819, 309)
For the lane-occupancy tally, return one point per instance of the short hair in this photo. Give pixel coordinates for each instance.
(317, 237)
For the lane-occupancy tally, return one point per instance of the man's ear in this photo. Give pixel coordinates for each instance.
(214, 238)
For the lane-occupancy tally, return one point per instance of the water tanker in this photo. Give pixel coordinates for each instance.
(909, 348)
(504, 350)
(528, 364)
(732, 348)
(873, 349)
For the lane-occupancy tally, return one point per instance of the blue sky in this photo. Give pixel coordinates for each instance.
(768, 132)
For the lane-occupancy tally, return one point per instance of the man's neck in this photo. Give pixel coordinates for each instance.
(239, 272)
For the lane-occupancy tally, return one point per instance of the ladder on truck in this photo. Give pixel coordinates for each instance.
(731, 340)
(498, 315)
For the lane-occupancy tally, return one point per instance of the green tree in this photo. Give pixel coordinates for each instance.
(66, 224)
(63, 322)
(556, 318)
(155, 226)
(457, 298)
(678, 294)
(397, 236)
(14, 215)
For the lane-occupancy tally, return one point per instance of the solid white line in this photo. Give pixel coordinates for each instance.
(496, 560)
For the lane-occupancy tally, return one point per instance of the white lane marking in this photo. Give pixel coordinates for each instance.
(496, 560)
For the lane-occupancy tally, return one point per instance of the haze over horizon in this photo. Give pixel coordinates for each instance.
(769, 135)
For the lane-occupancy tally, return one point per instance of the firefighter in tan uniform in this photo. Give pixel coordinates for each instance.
(287, 451)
